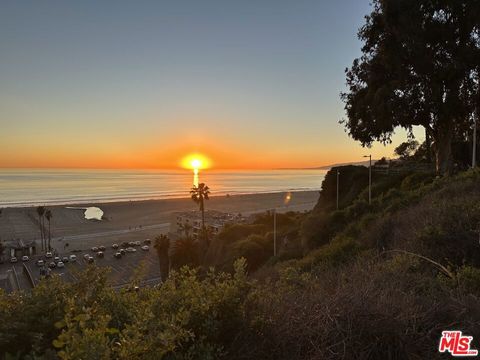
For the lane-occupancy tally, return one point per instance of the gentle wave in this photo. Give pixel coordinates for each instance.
(19, 188)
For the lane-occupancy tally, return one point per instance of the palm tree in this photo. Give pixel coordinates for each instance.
(48, 216)
(199, 195)
(162, 245)
(185, 252)
(205, 235)
(41, 213)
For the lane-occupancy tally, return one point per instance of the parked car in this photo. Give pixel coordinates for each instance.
(65, 259)
(131, 249)
(94, 249)
(48, 254)
(40, 262)
(100, 254)
(115, 246)
(124, 244)
(147, 241)
(117, 255)
(102, 248)
(73, 258)
(131, 243)
(91, 260)
(145, 248)
(60, 264)
(13, 259)
(136, 243)
(86, 256)
(56, 259)
(122, 251)
(52, 265)
(25, 258)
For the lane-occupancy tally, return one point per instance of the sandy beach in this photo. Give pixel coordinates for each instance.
(133, 220)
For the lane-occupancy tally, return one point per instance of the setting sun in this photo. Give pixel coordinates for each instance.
(195, 162)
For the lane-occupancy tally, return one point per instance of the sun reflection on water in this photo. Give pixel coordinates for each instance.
(195, 177)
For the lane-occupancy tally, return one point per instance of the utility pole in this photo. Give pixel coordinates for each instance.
(369, 179)
(338, 182)
(474, 154)
(274, 232)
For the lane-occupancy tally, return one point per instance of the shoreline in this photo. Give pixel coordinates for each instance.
(81, 203)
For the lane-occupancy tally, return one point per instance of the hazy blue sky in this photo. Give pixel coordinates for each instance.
(138, 83)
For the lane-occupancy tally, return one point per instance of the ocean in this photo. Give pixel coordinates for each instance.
(32, 187)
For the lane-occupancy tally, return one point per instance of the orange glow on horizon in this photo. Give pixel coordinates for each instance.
(201, 153)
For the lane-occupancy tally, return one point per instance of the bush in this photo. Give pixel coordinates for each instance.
(468, 279)
(256, 249)
(367, 310)
(339, 251)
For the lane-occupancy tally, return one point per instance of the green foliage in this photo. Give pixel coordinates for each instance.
(324, 222)
(406, 149)
(162, 247)
(188, 316)
(352, 181)
(237, 232)
(468, 278)
(256, 249)
(254, 242)
(266, 219)
(186, 251)
(337, 252)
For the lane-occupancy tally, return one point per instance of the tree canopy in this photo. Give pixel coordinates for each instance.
(420, 66)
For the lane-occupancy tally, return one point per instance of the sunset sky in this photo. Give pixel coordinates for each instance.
(140, 84)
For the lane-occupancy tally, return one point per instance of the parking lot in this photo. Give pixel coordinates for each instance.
(122, 270)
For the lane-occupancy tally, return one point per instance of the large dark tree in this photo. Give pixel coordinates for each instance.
(185, 251)
(48, 216)
(162, 245)
(41, 213)
(420, 66)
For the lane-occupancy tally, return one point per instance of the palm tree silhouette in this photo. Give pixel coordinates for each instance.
(162, 245)
(199, 195)
(41, 213)
(185, 252)
(48, 216)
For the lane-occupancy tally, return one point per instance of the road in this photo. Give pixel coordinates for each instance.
(69, 238)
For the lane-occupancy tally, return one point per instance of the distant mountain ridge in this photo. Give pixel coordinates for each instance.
(357, 163)
(328, 167)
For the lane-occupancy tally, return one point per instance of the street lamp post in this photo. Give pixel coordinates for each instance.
(474, 154)
(369, 179)
(338, 181)
(275, 232)
(286, 201)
